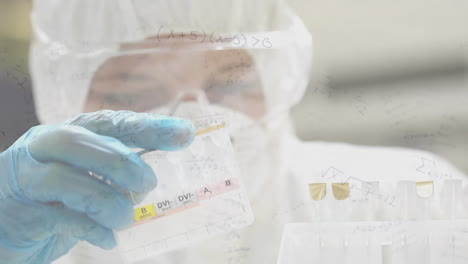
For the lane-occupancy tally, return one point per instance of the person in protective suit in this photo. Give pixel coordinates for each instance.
(107, 75)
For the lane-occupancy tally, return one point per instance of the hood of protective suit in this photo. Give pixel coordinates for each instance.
(73, 38)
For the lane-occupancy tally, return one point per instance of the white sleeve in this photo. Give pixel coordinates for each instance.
(338, 160)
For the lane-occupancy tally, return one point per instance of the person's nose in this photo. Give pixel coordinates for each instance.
(190, 97)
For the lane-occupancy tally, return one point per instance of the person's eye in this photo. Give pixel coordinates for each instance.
(130, 76)
(236, 67)
(230, 87)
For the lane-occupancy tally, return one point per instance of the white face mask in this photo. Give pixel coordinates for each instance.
(249, 139)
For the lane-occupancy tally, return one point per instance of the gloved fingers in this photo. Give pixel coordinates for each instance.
(71, 226)
(77, 191)
(105, 156)
(61, 245)
(64, 243)
(142, 130)
(104, 239)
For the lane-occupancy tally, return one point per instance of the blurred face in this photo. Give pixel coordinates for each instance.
(144, 81)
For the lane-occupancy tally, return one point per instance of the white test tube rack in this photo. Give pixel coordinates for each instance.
(415, 226)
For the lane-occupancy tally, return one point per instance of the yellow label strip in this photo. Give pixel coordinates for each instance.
(208, 130)
(145, 212)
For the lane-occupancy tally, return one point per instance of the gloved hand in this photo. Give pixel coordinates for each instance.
(48, 200)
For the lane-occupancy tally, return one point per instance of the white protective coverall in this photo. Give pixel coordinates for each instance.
(73, 38)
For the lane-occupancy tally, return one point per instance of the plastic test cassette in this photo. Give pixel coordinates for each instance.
(381, 223)
(199, 195)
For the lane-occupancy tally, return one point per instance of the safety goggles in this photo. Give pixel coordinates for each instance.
(163, 70)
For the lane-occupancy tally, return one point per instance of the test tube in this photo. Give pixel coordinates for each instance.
(364, 205)
(374, 205)
(424, 200)
(341, 202)
(406, 199)
(451, 197)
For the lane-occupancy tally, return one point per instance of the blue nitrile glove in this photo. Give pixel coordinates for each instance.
(48, 200)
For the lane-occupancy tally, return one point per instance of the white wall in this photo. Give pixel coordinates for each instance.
(388, 73)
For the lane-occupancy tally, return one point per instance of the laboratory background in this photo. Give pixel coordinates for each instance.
(391, 73)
